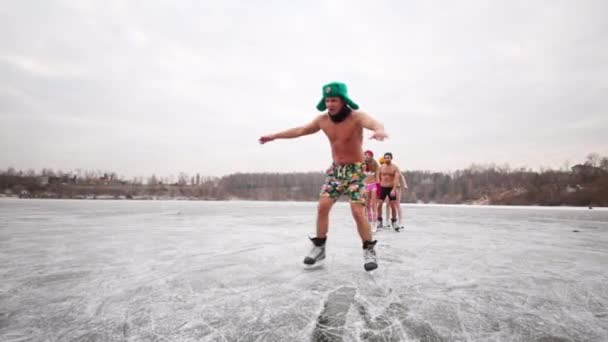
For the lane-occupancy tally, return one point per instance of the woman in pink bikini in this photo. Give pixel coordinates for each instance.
(372, 179)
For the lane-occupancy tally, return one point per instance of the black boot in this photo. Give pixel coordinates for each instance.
(317, 253)
(395, 225)
(369, 255)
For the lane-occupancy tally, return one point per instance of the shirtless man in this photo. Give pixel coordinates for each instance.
(389, 181)
(401, 187)
(343, 125)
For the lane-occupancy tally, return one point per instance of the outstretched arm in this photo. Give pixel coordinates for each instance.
(373, 125)
(310, 128)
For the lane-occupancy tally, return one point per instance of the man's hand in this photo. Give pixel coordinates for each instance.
(379, 135)
(266, 139)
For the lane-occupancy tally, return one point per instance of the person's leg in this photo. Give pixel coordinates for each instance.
(393, 205)
(363, 226)
(317, 253)
(379, 209)
(365, 209)
(323, 209)
(394, 208)
(388, 208)
(370, 259)
(329, 193)
(369, 212)
(384, 193)
(372, 204)
(355, 192)
(399, 212)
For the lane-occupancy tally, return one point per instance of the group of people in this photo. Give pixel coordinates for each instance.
(351, 173)
(384, 183)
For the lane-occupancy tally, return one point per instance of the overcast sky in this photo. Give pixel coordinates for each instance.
(142, 87)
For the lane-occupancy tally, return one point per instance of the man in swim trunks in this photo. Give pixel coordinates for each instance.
(389, 180)
(343, 125)
(401, 187)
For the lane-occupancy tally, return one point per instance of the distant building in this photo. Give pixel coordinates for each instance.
(46, 180)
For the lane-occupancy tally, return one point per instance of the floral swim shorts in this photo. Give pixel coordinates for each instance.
(345, 179)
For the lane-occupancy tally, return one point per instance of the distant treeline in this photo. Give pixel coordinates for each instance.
(584, 184)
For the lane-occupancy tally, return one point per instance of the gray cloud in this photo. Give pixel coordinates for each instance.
(166, 87)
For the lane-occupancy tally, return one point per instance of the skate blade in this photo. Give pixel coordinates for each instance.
(317, 265)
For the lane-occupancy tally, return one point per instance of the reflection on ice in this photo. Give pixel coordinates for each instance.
(231, 271)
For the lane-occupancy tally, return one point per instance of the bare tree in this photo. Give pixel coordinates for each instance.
(152, 181)
(182, 179)
(604, 163)
(593, 159)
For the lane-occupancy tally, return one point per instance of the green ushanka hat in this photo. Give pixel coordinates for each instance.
(336, 89)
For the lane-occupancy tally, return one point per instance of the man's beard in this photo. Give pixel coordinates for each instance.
(341, 115)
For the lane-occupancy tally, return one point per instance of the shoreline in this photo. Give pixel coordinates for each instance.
(187, 199)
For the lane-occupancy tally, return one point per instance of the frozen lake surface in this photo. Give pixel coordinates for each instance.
(232, 271)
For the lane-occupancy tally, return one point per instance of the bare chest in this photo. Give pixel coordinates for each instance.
(386, 170)
(346, 131)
